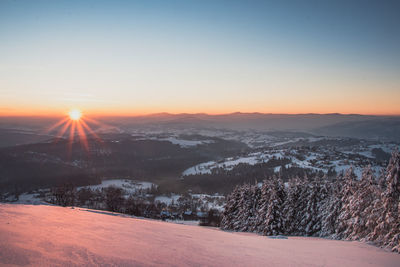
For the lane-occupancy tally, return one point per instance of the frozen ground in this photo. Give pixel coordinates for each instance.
(129, 185)
(186, 143)
(167, 200)
(176, 140)
(55, 236)
(322, 160)
(229, 163)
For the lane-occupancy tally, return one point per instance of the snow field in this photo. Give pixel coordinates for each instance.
(56, 236)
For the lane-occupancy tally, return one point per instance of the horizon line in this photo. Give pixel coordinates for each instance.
(194, 113)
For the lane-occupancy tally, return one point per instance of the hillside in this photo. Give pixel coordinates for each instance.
(49, 235)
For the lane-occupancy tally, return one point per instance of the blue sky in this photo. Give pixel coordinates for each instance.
(200, 56)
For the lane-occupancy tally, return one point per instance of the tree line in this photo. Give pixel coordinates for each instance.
(141, 203)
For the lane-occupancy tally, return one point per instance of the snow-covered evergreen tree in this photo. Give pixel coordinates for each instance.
(331, 209)
(323, 191)
(256, 197)
(365, 194)
(274, 219)
(246, 217)
(307, 208)
(375, 210)
(344, 208)
(263, 206)
(387, 231)
(292, 206)
(231, 211)
(345, 219)
(314, 193)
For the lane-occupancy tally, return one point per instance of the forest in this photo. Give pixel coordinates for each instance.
(344, 208)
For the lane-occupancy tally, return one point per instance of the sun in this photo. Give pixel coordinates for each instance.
(75, 114)
(78, 126)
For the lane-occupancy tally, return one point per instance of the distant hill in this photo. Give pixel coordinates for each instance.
(348, 125)
(12, 137)
(383, 129)
(352, 125)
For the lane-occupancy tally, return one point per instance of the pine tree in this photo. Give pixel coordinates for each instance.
(322, 187)
(291, 206)
(314, 193)
(263, 206)
(331, 209)
(256, 196)
(345, 219)
(375, 210)
(387, 231)
(246, 204)
(361, 209)
(274, 219)
(231, 210)
(307, 210)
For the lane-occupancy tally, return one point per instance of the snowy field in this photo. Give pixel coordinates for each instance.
(176, 140)
(230, 163)
(55, 236)
(168, 200)
(252, 159)
(27, 198)
(339, 164)
(187, 143)
(130, 186)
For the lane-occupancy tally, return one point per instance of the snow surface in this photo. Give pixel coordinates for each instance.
(130, 186)
(56, 236)
(179, 141)
(230, 163)
(189, 222)
(27, 198)
(339, 165)
(167, 199)
(187, 143)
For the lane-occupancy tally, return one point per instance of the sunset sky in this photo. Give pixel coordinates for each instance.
(140, 57)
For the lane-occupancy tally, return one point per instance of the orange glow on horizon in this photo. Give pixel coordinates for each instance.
(124, 112)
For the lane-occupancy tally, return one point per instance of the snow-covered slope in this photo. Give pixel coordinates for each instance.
(50, 236)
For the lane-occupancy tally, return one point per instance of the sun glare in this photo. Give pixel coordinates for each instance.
(78, 126)
(75, 114)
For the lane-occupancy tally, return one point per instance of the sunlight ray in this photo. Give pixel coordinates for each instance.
(62, 131)
(76, 124)
(56, 125)
(71, 136)
(87, 127)
(96, 122)
(82, 136)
